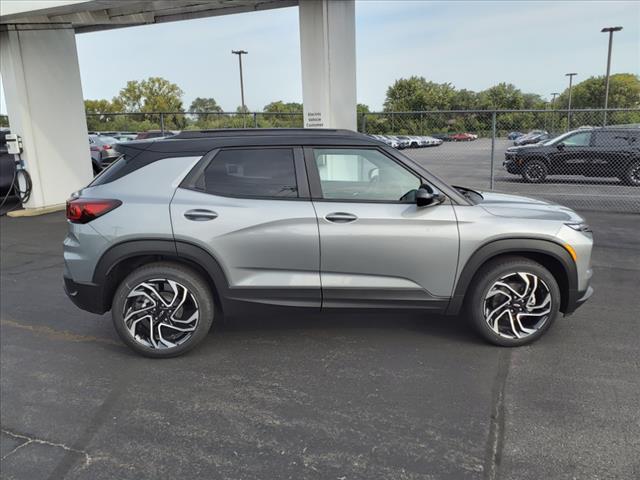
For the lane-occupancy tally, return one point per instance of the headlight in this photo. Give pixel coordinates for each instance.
(579, 227)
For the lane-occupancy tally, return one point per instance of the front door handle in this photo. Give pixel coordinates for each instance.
(200, 215)
(340, 217)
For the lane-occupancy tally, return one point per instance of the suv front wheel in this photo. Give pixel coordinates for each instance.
(534, 171)
(513, 301)
(162, 309)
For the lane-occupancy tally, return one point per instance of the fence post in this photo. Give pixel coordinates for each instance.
(162, 123)
(493, 146)
(255, 120)
(364, 122)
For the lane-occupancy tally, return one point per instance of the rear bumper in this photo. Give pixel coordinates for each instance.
(87, 296)
(577, 299)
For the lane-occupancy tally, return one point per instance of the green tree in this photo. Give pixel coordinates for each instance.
(204, 105)
(624, 92)
(362, 108)
(416, 94)
(282, 107)
(503, 96)
(154, 94)
(464, 100)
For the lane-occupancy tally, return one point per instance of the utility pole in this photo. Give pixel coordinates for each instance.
(570, 75)
(244, 108)
(610, 31)
(553, 107)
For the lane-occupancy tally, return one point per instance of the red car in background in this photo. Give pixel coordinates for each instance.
(463, 137)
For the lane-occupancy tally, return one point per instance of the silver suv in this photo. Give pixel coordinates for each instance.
(180, 231)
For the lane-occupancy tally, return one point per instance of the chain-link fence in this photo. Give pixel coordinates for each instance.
(559, 155)
(564, 156)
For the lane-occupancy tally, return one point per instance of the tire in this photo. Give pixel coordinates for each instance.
(631, 175)
(534, 171)
(175, 310)
(534, 315)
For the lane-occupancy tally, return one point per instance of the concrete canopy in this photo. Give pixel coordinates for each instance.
(93, 15)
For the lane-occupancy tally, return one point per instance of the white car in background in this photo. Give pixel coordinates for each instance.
(431, 142)
(389, 141)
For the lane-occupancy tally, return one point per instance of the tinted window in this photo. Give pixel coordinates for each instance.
(268, 172)
(613, 139)
(362, 174)
(581, 139)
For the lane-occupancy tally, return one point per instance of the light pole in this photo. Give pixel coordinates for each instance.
(610, 31)
(570, 75)
(240, 53)
(553, 107)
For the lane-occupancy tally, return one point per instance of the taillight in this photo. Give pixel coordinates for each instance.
(106, 147)
(83, 210)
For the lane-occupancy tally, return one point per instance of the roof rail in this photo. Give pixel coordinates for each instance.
(236, 132)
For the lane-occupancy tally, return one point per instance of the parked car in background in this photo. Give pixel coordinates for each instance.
(403, 142)
(123, 136)
(445, 137)
(514, 135)
(154, 134)
(7, 165)
(103, 152)
(431, 141)
(386, 140)
(590, 152)
(173, 237)
(413, 142)
(463, 137)
(534, 136)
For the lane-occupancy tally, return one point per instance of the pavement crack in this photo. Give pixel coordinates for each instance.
(28, 440)
(493, 454)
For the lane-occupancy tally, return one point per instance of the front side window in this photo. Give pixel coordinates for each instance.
(581, 139)
(268, 172)
(362, 174)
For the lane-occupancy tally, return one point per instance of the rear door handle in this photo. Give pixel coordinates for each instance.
(340, 217)
(200, 215)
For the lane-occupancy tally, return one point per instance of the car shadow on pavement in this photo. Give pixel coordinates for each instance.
(440, 326)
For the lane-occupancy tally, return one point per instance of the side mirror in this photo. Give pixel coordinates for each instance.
(425, 197)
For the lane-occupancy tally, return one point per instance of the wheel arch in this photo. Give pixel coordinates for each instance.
(551, 255)
(123, 258)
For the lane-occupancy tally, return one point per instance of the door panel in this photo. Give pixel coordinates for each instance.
(390, 255)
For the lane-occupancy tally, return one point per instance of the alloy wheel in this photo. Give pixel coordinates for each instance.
(517, 305)
(160, 313)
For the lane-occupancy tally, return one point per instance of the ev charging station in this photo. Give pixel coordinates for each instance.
(43, 91)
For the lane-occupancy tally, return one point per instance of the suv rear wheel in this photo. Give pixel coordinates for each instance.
(534, 171)
(631, 174)
(162, 309)
(513, 301)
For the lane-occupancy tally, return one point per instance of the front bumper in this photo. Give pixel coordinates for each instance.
(87, 296)
(577, 299)
(511, 166)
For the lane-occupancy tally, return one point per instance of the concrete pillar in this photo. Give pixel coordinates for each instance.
(328, 50)
(43, 94)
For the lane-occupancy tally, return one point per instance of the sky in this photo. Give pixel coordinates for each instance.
(471, 44)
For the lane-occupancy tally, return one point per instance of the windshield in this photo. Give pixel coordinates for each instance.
(558, 139)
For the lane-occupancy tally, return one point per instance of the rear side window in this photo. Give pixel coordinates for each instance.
(268, 172)
(613, 138)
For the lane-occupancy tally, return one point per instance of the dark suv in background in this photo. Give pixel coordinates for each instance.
(590, 152)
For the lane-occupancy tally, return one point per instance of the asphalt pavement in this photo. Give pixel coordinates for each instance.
(385, 396)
